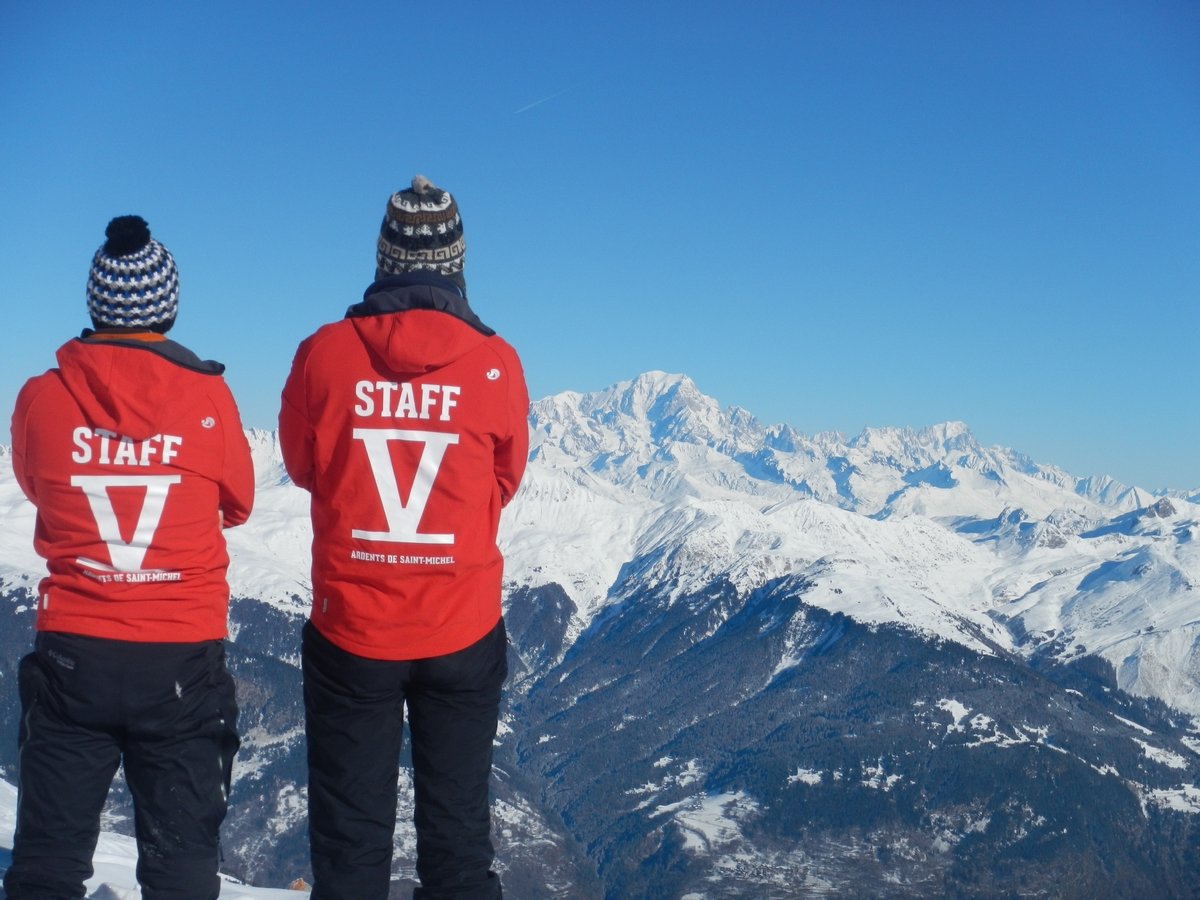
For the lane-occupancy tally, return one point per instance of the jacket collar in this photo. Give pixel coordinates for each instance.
(153, 342)
(417, 290)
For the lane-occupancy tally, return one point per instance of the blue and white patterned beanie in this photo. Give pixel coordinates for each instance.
(133, 282)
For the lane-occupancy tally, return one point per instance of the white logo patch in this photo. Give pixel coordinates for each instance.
(493, 374)
(208, 422)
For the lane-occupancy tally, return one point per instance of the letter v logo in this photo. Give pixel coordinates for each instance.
(402, 518)
(125, 556)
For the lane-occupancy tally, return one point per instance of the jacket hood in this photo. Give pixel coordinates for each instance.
(137, 388)
(417, 323)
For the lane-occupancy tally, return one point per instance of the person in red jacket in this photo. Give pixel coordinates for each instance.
(133, 452)
(407, 422)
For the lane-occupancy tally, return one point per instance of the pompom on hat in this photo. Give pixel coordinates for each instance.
(421, 231)
(133, 282)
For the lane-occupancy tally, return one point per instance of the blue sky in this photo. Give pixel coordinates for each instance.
(834, 214)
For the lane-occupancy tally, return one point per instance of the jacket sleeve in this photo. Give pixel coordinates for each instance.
(512, 450)
(295, 428)
(20, 444)
(237, 477)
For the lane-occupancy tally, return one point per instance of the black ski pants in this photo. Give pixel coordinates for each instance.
(354, 713)
(169, 712)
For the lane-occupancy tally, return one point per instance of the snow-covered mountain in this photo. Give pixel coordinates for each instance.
(714, 620)
(924, 528)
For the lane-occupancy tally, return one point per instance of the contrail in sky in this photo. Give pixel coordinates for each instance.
(540, 102)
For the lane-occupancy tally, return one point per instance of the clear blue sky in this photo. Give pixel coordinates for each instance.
(834, 214)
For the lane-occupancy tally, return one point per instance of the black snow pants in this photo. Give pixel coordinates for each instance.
(354, 713)
(169, 712)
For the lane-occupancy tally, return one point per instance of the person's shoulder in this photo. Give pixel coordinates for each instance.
(326, 335)
(37, 385)
(506, 354)
(502, 347)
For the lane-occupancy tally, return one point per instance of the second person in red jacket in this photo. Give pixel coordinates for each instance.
(407, 422)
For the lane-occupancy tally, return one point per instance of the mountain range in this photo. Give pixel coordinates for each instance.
(750, 662)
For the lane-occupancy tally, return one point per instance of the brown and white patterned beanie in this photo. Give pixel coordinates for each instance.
(421, 231)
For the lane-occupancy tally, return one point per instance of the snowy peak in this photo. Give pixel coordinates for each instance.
(654, 408)
(918, 448)
(940, 471)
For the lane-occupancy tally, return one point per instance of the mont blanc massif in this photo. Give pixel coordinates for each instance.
(752, 663)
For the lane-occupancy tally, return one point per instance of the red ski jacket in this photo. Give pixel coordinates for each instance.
(408, 423)
(134, 455)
